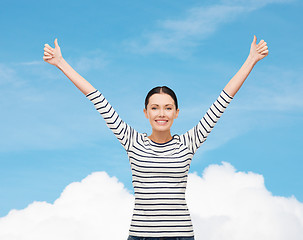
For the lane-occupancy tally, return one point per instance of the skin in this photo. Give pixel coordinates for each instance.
(161, 112)
(160, 133)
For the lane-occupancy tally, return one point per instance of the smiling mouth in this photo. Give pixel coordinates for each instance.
(161, 122)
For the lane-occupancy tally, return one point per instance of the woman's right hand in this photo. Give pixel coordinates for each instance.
(52, 55)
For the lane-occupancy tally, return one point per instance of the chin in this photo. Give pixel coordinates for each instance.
(162, 129)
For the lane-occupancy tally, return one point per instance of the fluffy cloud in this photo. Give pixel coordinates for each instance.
(95, 208)
(224, 204)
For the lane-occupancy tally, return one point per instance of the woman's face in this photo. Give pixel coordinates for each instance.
(161, 111)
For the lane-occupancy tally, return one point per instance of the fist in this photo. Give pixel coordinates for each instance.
(52, 55)
(258, 51)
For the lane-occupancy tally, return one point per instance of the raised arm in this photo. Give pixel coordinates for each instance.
(257, 52)
(194, 138)
(54, 57)
(123, 132)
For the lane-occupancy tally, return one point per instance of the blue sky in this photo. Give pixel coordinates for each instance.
(52, 136)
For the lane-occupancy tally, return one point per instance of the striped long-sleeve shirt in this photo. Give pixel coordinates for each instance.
(160, 170)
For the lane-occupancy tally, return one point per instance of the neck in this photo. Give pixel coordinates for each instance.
(160, 137)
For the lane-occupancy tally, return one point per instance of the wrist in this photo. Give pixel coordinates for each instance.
(60, 63)
(252, 60)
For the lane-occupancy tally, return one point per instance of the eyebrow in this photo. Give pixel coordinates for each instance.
(165, 104)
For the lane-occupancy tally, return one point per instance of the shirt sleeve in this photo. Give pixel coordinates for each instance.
(194, 138)
(122, 131)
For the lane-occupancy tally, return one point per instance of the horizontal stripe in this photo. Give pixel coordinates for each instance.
(171, 220)
(161, 167)
(142, 231)
(160, 170)
(166, 226)
(134, 181)
(135, 175)
(156, 187)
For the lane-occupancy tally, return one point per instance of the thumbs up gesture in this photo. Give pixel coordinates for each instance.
(258, 51)
(52, 55)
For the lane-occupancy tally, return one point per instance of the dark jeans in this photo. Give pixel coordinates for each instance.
(160, 238)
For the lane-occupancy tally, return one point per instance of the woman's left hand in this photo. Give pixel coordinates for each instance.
(258, 51)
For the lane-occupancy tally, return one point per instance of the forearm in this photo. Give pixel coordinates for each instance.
(194, 138)
(122, 130)
(83, 85)
(236, 82)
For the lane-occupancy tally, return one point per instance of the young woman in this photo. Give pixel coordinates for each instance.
(160, 162)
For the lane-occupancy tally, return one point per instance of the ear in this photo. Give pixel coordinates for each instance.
(145, 112)
(177, 113)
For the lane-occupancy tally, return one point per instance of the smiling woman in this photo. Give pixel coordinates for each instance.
(160, 162)
(161, 108)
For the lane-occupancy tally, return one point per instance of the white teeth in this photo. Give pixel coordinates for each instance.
(161, 122)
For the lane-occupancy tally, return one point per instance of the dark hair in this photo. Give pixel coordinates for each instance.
(162, 89)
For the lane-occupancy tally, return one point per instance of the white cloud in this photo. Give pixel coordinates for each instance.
(95, 208)
(173, 36)
(224, 204)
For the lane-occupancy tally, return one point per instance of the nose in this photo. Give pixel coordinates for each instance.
(161, 113)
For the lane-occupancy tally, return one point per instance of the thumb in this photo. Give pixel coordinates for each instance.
(255, 40)
(56, 43)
